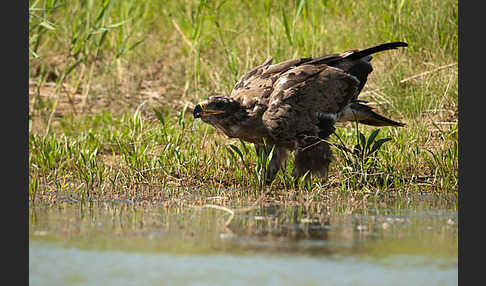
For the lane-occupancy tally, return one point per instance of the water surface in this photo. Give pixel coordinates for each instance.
(406, 241)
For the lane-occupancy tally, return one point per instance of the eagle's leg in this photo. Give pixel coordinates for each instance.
(314, 158)
(279, 155)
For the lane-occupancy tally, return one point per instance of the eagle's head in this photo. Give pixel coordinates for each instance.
(217, 109)
(229, 116)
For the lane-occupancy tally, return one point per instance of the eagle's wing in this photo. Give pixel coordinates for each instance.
(251, 87)
(254, 88)
(300, 94)
(356, 62)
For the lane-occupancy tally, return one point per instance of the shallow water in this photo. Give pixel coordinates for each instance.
(410, 241)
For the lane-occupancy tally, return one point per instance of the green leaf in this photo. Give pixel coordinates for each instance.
(362, 141)
(356, 149)
(298, 12)
(237, 150)
(72, 67)
(32, 7)
(286, 26)
(159, 116)
(123, 50)
(372, 138)
(47, 25)
(269, 156)
(243, 145)
(378, 144)
(231, 152)
(102, 10)
(181, 116)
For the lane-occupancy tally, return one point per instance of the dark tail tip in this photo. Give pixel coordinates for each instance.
(376, 49)
(375, 119)
(381, 122)
(367, 116)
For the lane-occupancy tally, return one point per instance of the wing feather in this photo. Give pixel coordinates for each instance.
(250, 76)
(300, 94)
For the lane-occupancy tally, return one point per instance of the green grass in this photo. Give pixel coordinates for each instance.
(109, 81)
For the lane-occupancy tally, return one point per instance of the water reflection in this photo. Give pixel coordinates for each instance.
(420, 227)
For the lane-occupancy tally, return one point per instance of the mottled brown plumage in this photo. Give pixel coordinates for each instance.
(295, 104)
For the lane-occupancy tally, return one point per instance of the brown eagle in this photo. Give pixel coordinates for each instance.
(294, 105)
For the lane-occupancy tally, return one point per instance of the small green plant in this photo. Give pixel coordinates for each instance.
(33, 187)
(258, 171)
(264, 156)
(444, 167)
(304, 182)
(361, 161)
(243, 155)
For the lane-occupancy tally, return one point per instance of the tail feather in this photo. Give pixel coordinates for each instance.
(376, 49)
(364, 114)
(354, 54)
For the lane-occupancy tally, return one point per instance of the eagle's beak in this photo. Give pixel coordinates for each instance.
(200, 110)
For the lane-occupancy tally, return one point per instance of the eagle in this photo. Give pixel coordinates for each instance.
(294, 105)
